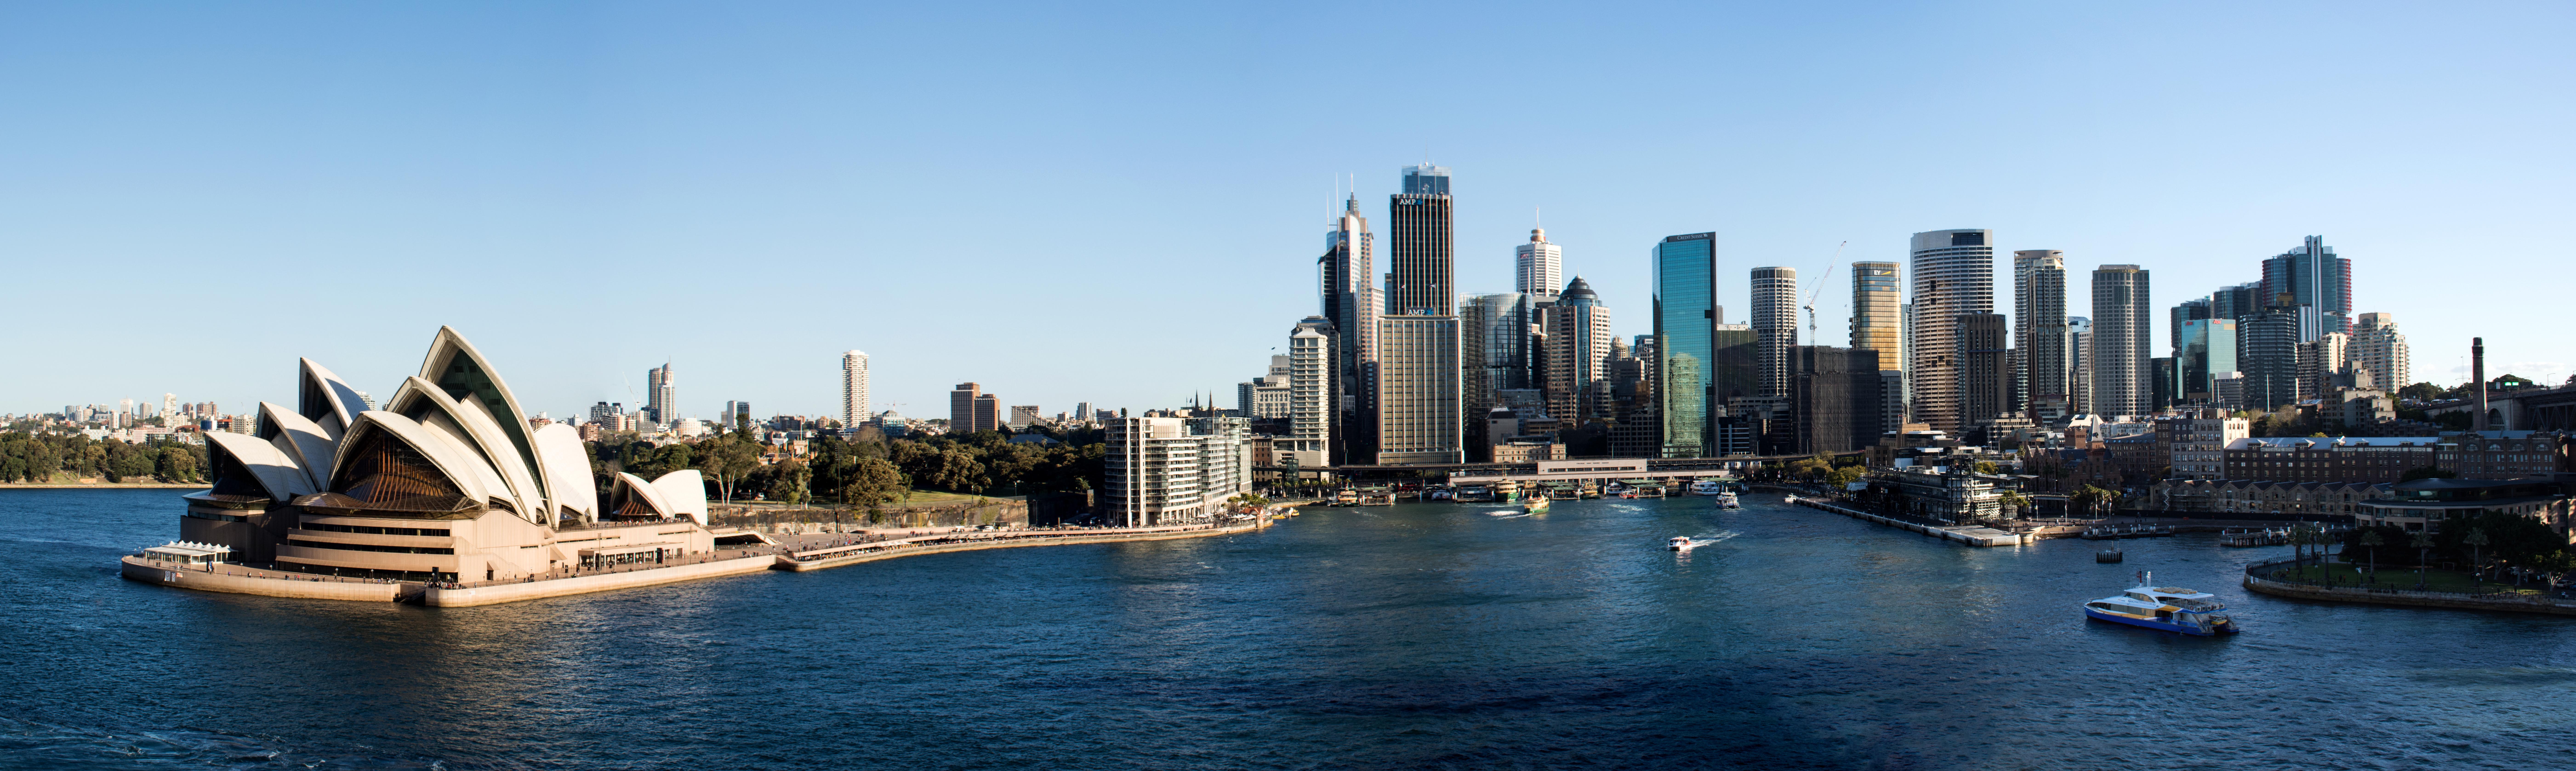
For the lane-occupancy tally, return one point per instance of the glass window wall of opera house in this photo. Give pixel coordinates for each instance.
(450, 481)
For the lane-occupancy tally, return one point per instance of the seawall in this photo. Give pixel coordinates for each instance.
(2519, 603)
(790, 563)
(498, 593)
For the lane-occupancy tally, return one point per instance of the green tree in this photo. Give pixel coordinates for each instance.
(728, 462)
(2422, 392)
(2423, 543)
(787, 482)
(2476, 539)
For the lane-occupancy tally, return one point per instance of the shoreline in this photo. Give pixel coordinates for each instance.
(2403, 598)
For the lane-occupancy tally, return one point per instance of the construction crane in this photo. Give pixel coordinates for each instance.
(1820, 288)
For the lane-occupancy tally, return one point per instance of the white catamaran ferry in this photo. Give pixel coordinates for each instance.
(2170, 608)
(1726, 500)
(1707, 487)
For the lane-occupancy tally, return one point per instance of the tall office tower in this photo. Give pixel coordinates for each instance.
(854, 389)
(169, 409)
(2079, 365)
(1834, 399)
(2208, 348)
(659, 394)
(1420, 239)
(1310, 391)
(2312, 275)
(1875, 319)
(2379, 349)
(1351, 306)
(1775, 326)
(1496, 349)
(2039, 324)
(1081, 410)
(2237, 301)
(988, 413)
(2190, 310)
(2267, 351)
(2123, 341)
(2320, 361)
(2160, 381)
(1538, 266)
(1578, 355)
(961, 407)
(1985, 369)
(1686, 319)
(734, 414)
(1420, 233)
(1419, 419)
(1954, 274)
(605, 414)
(1021, 415)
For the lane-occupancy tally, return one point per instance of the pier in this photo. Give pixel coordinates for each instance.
(1972, 535)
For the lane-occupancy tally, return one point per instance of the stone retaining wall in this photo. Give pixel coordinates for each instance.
(558, 587)
(147, 572)
(2507, 603)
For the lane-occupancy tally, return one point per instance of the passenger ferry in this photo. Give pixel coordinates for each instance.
(1707, 487)
(1537, 505)
(2169, 608)
(1726, 500)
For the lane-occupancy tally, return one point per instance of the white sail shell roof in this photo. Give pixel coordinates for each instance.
(307, 442)
(566, 467)
(468, 472)
(276, 472)
(685, 491)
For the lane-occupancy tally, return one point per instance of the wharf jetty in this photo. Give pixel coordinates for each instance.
(1972, 535)
(2270, 536)
(2116, 532)
(852, 554)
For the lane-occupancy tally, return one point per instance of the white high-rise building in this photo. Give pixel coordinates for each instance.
(1538, 267)
(2123, 345)
(854, 388)
(1954, 274)
(1310, 404)
(2379, 349)
(1775, 328)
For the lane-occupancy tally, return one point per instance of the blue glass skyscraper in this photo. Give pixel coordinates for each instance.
(1686, 316)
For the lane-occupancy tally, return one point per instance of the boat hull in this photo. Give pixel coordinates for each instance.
(2157, 625)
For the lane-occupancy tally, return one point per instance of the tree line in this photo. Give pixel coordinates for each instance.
(869, 470)
(33, 458)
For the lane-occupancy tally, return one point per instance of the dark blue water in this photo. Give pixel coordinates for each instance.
(1418, 636)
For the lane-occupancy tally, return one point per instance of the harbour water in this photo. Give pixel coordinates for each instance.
(1420, 635)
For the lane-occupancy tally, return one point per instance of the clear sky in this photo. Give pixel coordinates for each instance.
(1122, 205)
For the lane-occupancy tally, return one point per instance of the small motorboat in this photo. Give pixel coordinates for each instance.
(1728, 501)
(1682, 543)
(1789, 499)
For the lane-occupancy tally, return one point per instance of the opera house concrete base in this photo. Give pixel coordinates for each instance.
(490, 594)
(217, 578)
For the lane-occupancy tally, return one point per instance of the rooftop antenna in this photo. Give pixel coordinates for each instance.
(1820, 288)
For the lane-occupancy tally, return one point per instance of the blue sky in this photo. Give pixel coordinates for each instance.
(1122, 205)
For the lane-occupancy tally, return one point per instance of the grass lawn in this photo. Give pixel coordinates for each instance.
(2403, 578)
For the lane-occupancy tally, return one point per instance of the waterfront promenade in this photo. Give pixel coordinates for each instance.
(2265, 577)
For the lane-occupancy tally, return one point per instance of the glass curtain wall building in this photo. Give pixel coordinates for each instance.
(1686, 316)
(1875, 325)
(2208, 348)
(1954, 274)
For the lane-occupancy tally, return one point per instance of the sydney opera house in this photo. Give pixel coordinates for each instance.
(448, 482)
